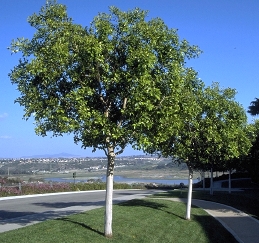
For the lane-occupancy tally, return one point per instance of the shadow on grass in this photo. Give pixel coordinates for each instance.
(142, 203)
(146, 203)
(80, 224)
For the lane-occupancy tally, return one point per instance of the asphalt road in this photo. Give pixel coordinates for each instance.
(16, 212)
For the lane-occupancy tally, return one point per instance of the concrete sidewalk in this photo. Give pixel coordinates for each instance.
(242, 226)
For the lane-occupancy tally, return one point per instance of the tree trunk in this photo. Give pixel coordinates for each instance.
(211, 181)
(229, 181)
(189, 199)
(109, 193)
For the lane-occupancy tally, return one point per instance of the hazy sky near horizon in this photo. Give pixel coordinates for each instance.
(227, 32)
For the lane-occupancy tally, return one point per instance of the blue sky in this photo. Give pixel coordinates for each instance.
(226, 30)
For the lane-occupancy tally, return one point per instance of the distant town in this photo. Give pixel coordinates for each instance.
(90, 164)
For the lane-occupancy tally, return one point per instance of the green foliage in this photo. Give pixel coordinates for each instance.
(250, 162)
(224, 126)
(106, 83)
(253, 109)
(216, 133)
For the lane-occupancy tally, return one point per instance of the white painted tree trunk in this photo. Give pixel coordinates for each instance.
(189, 199)
(109, 195)
(211, 181)
(229, 181)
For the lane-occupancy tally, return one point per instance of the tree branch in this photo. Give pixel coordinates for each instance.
(123, 107)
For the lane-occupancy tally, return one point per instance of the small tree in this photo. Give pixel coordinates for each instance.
(106, 84)
(250, 163)
(227, 136)
(252, 160)
(216, 133)
(182, 145)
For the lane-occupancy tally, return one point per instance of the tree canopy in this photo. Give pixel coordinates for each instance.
(216, 130)
(253, 109)
(106, 79)
(250, 162)
(107, 83)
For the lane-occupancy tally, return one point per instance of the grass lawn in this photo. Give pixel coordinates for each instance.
(147, 220)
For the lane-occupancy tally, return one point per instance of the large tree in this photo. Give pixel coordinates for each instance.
(106, 83)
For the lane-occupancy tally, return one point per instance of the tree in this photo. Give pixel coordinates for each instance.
(106, 84)
(229, 136)
(253, 109)
(252, 160)
(250, 163)
(214, 134)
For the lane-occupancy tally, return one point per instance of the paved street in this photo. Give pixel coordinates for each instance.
(17, 212)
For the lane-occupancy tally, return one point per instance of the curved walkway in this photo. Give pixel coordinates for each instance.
(242, 226)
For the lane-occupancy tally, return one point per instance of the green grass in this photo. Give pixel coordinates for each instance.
(246, 201)
(147, 220)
